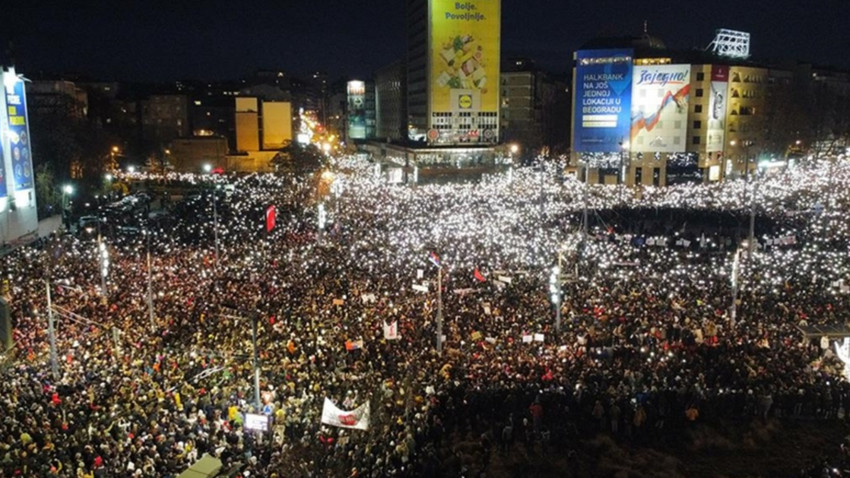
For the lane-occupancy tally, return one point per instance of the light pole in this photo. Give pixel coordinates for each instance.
(736, 277)
(150, 287)
(51, 332)
(439, 309)
(67, 190)
(555, 294)
(103, 254)
(323, 218)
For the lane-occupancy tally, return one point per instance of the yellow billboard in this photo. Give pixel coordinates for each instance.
(464, 55)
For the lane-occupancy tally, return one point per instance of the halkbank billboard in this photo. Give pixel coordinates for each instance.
(464, 55)
(603, 85)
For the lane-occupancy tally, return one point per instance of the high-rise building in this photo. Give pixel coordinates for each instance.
(452, 67)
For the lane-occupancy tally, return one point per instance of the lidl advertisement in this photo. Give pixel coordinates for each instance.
(716, 128)
(17, 134)
(660, 108)
(603, 84)
(464, 55)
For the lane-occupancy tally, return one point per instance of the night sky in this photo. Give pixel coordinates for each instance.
(214, 39)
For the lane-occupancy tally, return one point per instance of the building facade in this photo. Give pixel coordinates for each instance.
(643, 115)
(453, 65)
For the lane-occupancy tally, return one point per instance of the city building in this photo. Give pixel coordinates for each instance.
(165, 117)
(263, 127)
(390, 103)
(534, 110)
(57, 97)
(360, 110)
(453, 64)
(643, 114)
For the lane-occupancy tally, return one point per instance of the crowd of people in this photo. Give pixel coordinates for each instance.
(650, 338)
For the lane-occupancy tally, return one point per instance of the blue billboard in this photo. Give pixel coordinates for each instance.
(18, 134)
(3, 190)
(603, 87)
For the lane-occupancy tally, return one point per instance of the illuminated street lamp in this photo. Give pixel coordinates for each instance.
(131, 169)
(555, 294)
(67, 190)
(207, 167)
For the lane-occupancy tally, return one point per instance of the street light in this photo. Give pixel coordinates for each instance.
(207, 167)
(555, 294)
(67, 190)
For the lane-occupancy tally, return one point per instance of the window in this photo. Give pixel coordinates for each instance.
(700, 76)
(699, 92)
(697, 108)
(697, 124)
(695, 140)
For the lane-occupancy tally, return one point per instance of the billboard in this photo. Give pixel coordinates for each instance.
(17, 132)
(464, 55)
(356, 109)
(603, 84)
(716, 128)
(660, 108)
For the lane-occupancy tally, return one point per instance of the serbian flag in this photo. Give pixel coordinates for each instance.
(479, 276)
(353, 345)
(271, 212)
(355, 419)
(435, 258)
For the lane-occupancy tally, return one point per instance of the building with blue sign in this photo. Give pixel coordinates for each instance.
(18, 217)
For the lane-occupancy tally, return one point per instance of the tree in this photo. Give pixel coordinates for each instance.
(47, 197)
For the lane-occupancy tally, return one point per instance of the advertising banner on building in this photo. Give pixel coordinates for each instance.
(356, 109)
(3, 189)
(716, 127)
(464, 55)
(660, 108)
(17, 134)
(603, 84)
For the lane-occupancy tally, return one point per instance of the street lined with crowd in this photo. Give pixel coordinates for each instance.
(648, 343)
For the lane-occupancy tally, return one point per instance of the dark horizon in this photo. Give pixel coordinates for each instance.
(163, 41)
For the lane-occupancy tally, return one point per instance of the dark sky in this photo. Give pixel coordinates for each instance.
(216, 39)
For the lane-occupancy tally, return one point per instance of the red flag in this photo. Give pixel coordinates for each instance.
(270, 217)
(479, 276)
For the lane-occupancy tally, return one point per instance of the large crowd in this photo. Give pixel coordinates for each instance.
(648, 341)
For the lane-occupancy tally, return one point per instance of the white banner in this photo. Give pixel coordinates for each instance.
(354, 419)
(391, 331)
(420, 288)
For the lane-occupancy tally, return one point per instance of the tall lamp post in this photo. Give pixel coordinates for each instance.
(208, 169)
(67, 190)
(555, 294)
(150, 286)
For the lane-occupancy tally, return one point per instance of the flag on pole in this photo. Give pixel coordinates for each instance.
(355, 419)
(391, 331)
(435, 258)
(271, 212)
(479, 276)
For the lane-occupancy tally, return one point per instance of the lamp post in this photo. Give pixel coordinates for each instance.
(555, 294)
(150, 286)
(67, 190)
(51, 332)
(439, 309)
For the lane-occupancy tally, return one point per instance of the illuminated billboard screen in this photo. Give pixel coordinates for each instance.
(464, 55)
(603, 84)
(716, 127)
(356, 109)
(660, 108)
(17, 133)
(3, 190)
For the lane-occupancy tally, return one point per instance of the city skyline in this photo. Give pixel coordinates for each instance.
(160, 41)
